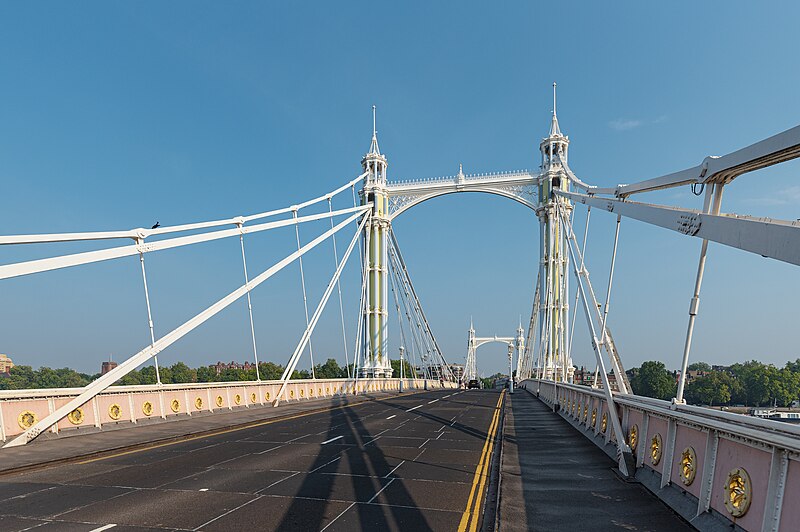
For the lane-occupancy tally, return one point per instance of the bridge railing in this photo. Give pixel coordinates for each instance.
(119, 405)
(724, 465)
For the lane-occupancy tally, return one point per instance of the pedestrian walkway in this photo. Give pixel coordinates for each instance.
(553, 478)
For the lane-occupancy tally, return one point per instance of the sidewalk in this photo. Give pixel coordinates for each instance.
(67, 448)
(553, 478)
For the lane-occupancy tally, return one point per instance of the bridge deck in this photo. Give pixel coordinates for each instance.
(553, 478)
(406, 462)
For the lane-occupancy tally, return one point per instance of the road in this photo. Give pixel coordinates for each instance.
(415, 462)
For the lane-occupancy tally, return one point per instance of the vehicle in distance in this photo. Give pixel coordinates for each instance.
(473, 384)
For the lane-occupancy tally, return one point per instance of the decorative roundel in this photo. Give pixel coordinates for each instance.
(310, 392)
(175, 405)
(115, 411)
(291, 393)
(220, 401)
(147, 408)
(586, 413)
(738, 492)
(604, 422)
(76, 416)
(319, 391)
(302, 393)
(237, 399)
(26, 419)
(655, 449)
(594, 417)
(328, 390)
(633, 437)
(253, 398)
(198, 403)
(688, 465)
(266, 396)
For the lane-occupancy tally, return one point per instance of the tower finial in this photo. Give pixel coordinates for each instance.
(374, 130)
(554, 98)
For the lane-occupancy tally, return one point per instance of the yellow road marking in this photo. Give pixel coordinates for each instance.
(481, 472)
(235, 429)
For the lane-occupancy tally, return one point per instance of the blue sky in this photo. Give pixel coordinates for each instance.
(114, 116)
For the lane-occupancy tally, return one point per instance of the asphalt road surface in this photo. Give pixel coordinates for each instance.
(412, 462)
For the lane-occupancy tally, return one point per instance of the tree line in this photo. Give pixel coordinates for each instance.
(750, 383)
(25, 377)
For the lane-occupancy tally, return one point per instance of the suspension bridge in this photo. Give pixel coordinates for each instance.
(399, 451)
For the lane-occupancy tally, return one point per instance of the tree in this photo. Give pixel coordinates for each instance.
(699, 366)
(653, 380)
(709, 389)
(408, 371)
(270, 371)
(182, 373)
(20, 378)
(207, 374)
(330, 370)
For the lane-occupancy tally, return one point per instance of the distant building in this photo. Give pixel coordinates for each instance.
(219, 367)
(107, 366)
(5, 364)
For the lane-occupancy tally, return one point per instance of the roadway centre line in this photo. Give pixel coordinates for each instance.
(469, 518)
(434, 401)
(423, 443)
(332, 439)
(390, 417)
(228, 512)
(100, 529)
(380, 490)
(412, 409)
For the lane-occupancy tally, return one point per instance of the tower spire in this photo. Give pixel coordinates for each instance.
(554, 129)
(373, 147)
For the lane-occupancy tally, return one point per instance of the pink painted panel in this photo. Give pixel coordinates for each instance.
(140, 399)
(86, 408)
(657, 426)
(104, 403)
(171, 396)
(790, 515)
(685, 437)
(12, 410)
(634, 418)
(732, 454)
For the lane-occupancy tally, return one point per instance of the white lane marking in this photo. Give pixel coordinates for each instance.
(412, 409)
(271, 449)
(323, 465)
(278, 482)
(431, 402)
(390, 417)
(423, 443)
(228, 512)
(203, 489)
(337, 517)
(379, 491)
(446, 396)
(395, 469)
(100, 529)
(332, 439)
(440, 435)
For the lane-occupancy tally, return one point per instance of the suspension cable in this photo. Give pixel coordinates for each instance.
(339, 289)
(305, 299)
(250, 305)
(149, 316)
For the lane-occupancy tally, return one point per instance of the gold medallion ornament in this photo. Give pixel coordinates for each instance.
(175, 405)
(586, 414)
(310, 392)
(198, 403)
(738, 492)
(26, 419)
(266, 396)
(688, 465)
(594, 417)
(253, 398)
(327, 390)
(237, 399)
(220, 400)
(633, 437)
(115, 411)
(302, 393)
(291, 393)
(655, 449)
(319, 391)
(604, 422)
(147, 408)
(76, 416)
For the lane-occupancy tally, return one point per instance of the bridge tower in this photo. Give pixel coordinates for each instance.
(376, 357)
(555, 362)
